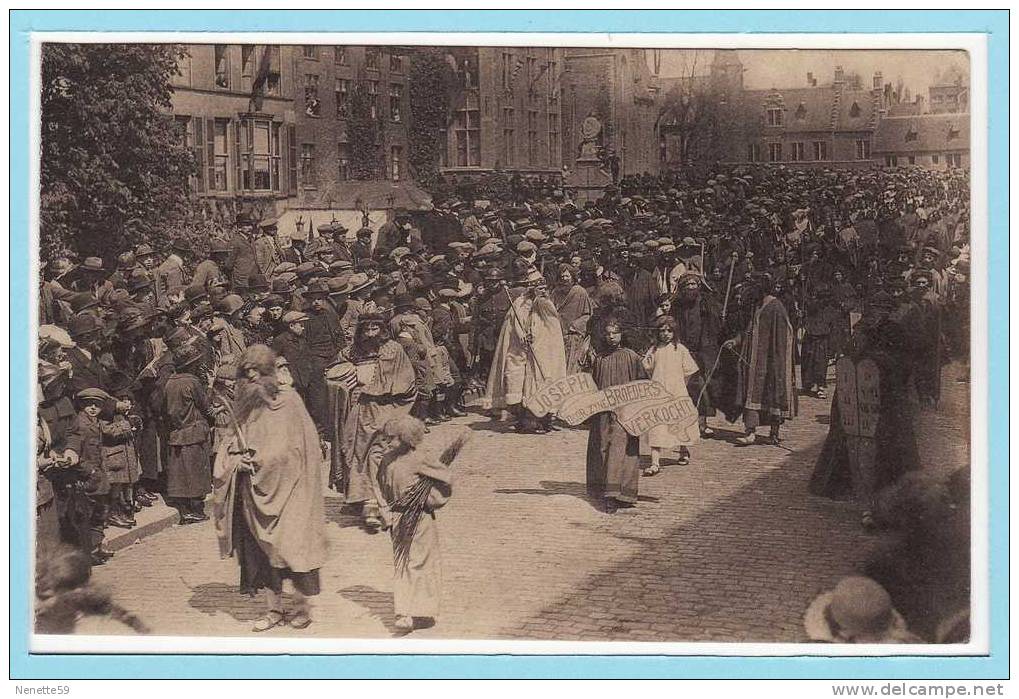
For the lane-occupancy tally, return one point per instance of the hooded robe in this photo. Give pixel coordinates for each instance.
(519, 368)
(282, 502)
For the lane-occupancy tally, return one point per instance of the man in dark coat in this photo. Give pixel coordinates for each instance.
(307, 369)
(699, 321)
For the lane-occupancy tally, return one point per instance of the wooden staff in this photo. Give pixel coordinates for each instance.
(728, 284)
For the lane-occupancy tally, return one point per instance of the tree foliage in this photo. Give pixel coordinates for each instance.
(114, 169)
(431, 85)
(366, 135)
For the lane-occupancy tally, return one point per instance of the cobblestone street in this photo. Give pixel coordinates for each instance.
(728, 548)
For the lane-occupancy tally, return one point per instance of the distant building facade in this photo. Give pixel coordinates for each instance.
(506, 111)
(326, 79)
(816, 126)
(246, 148)
(933, 141)
(618, 88)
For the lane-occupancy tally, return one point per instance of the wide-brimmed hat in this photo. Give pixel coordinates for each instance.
(92, 264)
(858, 610)
(317, 288)
(82, 300)
(144, 250)
(126, 260)
(194, 294)
(359, 281)
(229, 304)
(187, 354)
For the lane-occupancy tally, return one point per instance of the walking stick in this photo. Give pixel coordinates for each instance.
(728, 284)
(527, 344)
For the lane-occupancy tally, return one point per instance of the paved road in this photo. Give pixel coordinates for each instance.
(728, 548)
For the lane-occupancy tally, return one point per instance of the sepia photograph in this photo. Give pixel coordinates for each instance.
(411, 342)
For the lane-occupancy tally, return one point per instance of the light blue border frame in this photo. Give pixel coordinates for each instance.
(994, 23)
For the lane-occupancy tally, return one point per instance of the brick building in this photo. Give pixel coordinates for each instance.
(618, 88)
(506, 111)
(933, 141)
(326, 78)
(816, 126)
(245, 148)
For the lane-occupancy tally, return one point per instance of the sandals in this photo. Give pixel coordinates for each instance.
(270, 620)
(683, 460)
(707, 433)
(652, 470)
(300, 620)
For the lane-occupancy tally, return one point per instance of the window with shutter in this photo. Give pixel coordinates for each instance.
(198, 133)
(238, 129)
(292, 159)
(210, 154)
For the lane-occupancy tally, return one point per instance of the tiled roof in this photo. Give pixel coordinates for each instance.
(806, 109)
(922, 134)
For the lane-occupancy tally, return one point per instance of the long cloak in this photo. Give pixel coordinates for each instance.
(284, 507)
(613, 468)
(575, 308)
(769, 384)
(357, 414)
(518, 368)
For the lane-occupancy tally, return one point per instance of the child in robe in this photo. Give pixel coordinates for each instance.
(613, 455)
(410, 488)
(669, 363)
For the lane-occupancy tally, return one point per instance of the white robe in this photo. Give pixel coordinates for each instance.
(518, 370)
(670, 365)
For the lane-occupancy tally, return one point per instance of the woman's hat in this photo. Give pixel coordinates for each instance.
(858, 610)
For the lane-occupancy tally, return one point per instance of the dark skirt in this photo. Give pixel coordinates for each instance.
(613, 460)
(257, 572)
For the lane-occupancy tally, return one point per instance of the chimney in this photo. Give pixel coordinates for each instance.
(877, 80)
(840, 76)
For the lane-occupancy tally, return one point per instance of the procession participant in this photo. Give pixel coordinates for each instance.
(409, 328)
(669, 363)
(573, 304)
(307, 368)
(269, 503)
(698, 326)
(186, 412)
(613, 455)
(767, 389)
(818, 327)
(170, 277)
(883, 337)
(372, 380)
(412, 488)
(530, 351)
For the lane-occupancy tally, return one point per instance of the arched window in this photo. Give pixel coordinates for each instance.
(854, 111)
